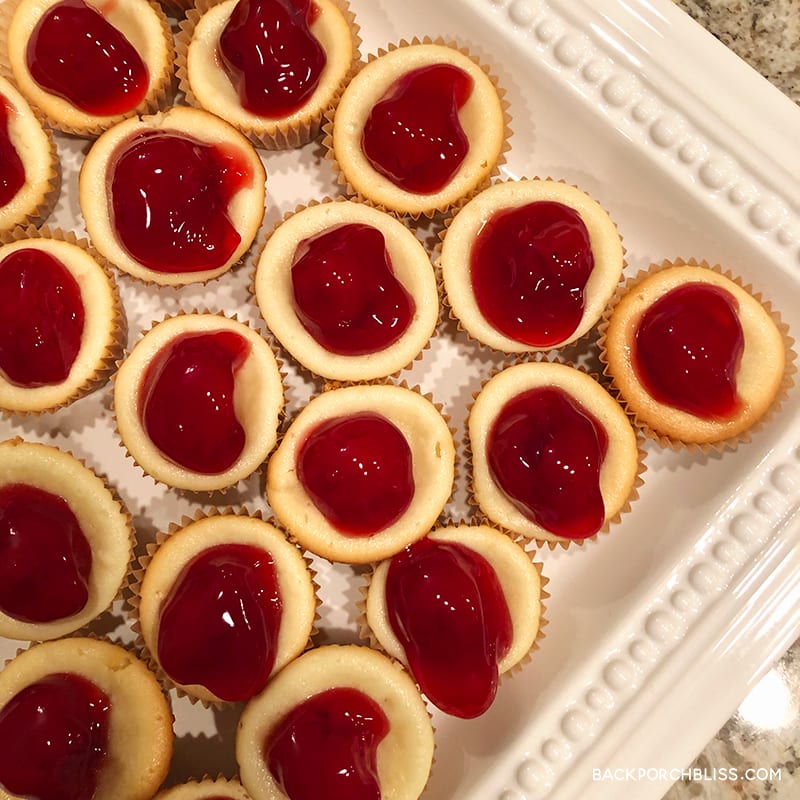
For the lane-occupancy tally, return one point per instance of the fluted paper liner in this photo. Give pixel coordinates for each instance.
(671, 442)
(450, 204)
(353, 376)
(224, 486)
(447, 309)
(277, 134)
(92, 125)
(366, 633)
(134, 586)
(205, 786)
(114, 341)
(480, 516)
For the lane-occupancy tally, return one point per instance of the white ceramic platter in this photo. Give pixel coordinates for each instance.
(657, 629)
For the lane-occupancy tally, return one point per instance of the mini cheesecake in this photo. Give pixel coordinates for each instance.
(460, 608)
(696, 358)
(530, 265)
(198, 400)
(206, 789)
(65, 542)
(86, 65)
(554, 456)
(224, 603)
(418, 129)
(61, 322)
(348, 290)
(340, 721)
(362, 471)
(270, 68)
(173, 198)
(85, 719)
(31, 170)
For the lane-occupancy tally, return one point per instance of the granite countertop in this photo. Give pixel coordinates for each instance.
(756, 755)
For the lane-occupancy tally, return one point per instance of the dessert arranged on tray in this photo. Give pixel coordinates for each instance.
(223, 607)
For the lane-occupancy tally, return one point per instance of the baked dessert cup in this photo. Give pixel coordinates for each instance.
(276, 95)
(82, 718)
(173, 198)
(223, 603)
(376, 734)
(66, 542)
(529, 265)
(31, 169)
(205, 789)
(198, 401)
(554, 456)
(694, 355)
(478, 573)
(387, 131)
(61, 321)
(348, 290)
(362, 471)
(85, 64)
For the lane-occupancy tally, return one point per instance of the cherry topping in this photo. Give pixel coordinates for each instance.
(45, 558)
(413, 135)
(529, 269)
(545, 452)
(41, 319)
(358, 472)
(75, 53)
(687, 350)
(219, 624)
(54, 739)
(346, 294)
(12, 171)
(187, 400)
(271, 56)
(338, 732)
(446, 606)
(169, 198)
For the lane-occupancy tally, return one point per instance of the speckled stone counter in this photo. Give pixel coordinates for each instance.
(756, 755)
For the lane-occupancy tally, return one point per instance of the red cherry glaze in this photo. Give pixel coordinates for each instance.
(687, 350)
(12, 171)
(169, 199)
(41, 319)
(219, 624)
(447, 608)
(358, 472)
(54, 739)
(327, 747)
(529, 268)
(271, 57)
(413, 135)
(545, 452)
(45, 558)
(76, 54)
(346, 294)
(187, 400)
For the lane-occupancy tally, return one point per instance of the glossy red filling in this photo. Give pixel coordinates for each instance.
(75, 53)
(327, 747)
(187, 400)
(219, 624)
(447, 608)
(169, 196)
(346, 294)
(54, 739)
(529, 268)
(45, 558)
(12, 174)
(271, 57)
(413, 135)
(358, 472)
(41, 319)
(545, 452)
(687, 350)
